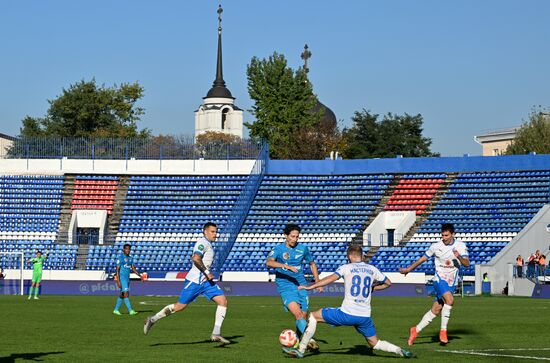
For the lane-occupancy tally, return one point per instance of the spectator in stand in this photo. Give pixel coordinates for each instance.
(519, 266)
(536, 264)
(542, 265)
(531, 266)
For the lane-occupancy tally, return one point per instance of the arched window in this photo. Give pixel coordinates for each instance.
(224, 117)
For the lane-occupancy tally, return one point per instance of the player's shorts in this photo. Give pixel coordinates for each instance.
(292, 294)
(36, 277)
(193, 290)
(441, 287)
(124, 285)
(336, 317)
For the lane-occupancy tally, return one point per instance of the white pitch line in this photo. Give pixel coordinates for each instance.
(493, 355)
(506, 350)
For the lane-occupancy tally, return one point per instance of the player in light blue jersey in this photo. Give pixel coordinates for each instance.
(124, 266)
(199, 281)
(360, 279)
(287, 259)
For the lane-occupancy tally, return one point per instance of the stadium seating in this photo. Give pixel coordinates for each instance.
(415, 192)
(61, 257)
(30, 206)
(487, 209)
(94, 192)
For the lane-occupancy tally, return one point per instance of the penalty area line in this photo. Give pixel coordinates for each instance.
(471, 352)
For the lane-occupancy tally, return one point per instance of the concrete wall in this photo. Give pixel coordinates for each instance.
(534, 236)
(400, 221)
(132, 167)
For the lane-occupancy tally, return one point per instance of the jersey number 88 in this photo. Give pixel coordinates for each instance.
(358, 288)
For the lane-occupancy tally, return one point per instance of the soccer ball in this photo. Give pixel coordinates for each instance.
(144, 276)
(288, 338)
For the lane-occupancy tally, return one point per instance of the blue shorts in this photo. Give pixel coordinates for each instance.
(193, 290)
(336, 317)
(124, 285)
(441, 287)
(292, 294)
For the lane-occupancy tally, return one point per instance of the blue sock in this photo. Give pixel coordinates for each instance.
(300, 327)
(118, 303)
(128, 305)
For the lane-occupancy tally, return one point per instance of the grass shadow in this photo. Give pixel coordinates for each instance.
(26, 356)
(232, 339)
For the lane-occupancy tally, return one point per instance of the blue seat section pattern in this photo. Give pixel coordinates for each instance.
(251, 256)
(61, 257)
(491, 202)
(319, 204)
(390, 259)
(148, 256)
(30, 203)
(178, 204)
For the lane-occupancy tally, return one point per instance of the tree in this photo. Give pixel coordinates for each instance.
(283, 100)
(88, 110)
(219, 145)
(394, 135)
(533, 136)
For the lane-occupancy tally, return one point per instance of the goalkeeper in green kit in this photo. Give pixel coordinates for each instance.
(37, 263)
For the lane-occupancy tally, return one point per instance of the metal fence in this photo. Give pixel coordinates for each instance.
(156, 148)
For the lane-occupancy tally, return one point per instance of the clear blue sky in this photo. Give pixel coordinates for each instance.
(466, 66)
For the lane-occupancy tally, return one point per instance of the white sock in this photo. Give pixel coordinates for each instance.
(220, 315)
(387, 347)
(426, 319)
(445, 315)
(167, 310)
(308, 333)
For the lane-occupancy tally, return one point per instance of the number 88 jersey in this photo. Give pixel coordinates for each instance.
(359, 279)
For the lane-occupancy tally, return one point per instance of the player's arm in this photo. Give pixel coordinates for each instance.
(381, 285)
(274, 264)
(415, 264)
(135, 271)
(464, 260)
(197, 261)
(315, 272)
(323, 282)
(117, 277)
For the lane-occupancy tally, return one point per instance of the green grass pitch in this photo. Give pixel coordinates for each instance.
(83, 329)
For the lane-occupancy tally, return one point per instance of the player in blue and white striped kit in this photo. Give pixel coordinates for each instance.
(360, 279)
(199, 281)
(287, 259)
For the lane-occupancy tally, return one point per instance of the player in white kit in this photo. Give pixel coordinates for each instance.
(360, 279)
(449, 255)
(199, 281)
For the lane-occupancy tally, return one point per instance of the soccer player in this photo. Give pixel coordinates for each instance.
(287, 260)
(37, 264)
(360, 279)
(449, 254)
(199, 281)
(124, 264)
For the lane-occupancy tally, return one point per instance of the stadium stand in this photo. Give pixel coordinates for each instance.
(488, 209)
(94, 192)
(415, 192)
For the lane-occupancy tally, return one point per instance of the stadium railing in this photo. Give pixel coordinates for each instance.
(240, 210)
(171, 148)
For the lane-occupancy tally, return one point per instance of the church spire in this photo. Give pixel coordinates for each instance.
(218, 89)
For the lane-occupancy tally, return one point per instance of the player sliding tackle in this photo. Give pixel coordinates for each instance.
(360, 279)
(199, 281)
(449, 255)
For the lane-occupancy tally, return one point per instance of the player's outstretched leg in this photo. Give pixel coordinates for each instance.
(389, 347)
(445, 315)
(424, 322)
(151, 320)
(305, 340)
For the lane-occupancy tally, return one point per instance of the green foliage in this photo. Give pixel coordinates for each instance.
(88, 110)
(394, 135)
(533, 136)
(283, 100)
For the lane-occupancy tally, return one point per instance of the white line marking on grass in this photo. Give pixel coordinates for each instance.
(472, 352)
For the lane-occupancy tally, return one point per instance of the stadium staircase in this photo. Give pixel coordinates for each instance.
(66, 211)
(420, 219)
(358, 239)
(118, 207)
(82, 256)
